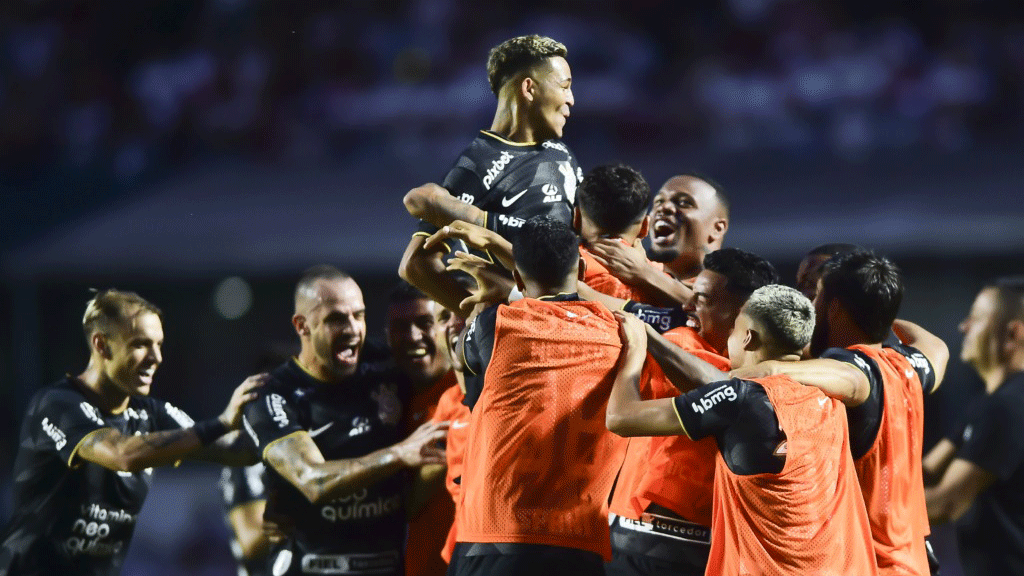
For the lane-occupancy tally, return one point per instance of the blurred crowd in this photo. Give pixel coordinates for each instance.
(122, 88)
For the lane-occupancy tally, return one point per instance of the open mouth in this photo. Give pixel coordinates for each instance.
(663, 232)
(347, 353)
(419, 354)
(692, 322)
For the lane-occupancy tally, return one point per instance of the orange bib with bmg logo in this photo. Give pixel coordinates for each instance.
(890, 472)
(540, 462)
(807, 519)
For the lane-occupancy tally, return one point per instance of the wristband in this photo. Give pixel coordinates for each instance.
(209, 430)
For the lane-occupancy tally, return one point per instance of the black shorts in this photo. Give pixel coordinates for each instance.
(522, 560)
(672, 546)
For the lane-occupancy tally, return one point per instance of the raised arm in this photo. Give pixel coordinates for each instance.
(425, 270)
(434, 204)
(475, 237)
(839, 380)
(628, 415)
(933, 348)
(684, 370)
(134, 452)
(298, 460)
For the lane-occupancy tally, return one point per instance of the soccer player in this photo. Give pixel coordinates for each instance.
(517, 169)
(810, 268)
(689, 219)
(89, 444)
(417, 333)
(245, 499)
(858, 299)
(976, 472)
(540, 463)
(328, 423)
(786, 499)
(661, 503)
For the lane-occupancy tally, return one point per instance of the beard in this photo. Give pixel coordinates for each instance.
(663, 255)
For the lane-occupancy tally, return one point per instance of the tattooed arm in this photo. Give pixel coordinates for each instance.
(127, 453)
(298, 460)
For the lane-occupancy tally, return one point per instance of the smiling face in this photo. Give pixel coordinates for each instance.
(551, 93)
(712, 309)
(132, 354)
(687, 222)
(332, 328)
(416, 332)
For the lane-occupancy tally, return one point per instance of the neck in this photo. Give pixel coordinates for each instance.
(107, 396)
(847, 336)
(995, 375)
(535, 291)
(685, 267)
(308, 361)
(510, 123)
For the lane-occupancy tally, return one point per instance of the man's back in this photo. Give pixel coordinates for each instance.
(540, 462)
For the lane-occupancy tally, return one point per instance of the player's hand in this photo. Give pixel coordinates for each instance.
(424, 445)
(245, 392)
(474, 236)
(627, 263)
(492, 282)
(633, 333)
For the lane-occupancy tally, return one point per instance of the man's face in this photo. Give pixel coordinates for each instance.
(336, 323)
(134, 353)
(981, 331)
(713, 309)
(552, 98)
(683, 219)
(416, 335)
(808, 273)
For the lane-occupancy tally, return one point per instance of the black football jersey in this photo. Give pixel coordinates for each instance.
(74, 517)
(345, 420)
(514, 182)
(241, 485)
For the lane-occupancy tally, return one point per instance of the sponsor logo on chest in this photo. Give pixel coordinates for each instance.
(497, 166)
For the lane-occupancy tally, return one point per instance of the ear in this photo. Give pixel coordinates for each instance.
(1015, 331)
(520, 285)
(299, 322)
(645, 226)
(718, 230)
(577, 220)
(99, 344)
(581, 271)
(752, 340)
(526, 88)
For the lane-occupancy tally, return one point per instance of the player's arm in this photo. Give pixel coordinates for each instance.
(493, 282)
(961, 483)
(937, 461)
(425, 269)
(133, 452)
(246, 521)
(298, 460)
(434, 204)
(684, 370)
(475, 237)
(841, 380)
(933, 348)
(631, 266)
(627, 414)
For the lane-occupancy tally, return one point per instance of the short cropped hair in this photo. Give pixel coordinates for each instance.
(744, 272)
(517, 55)
(868, 286)
(404, 292)
(546, 250)
(111, 310)
(786, 315)
(306, 287)
(720, 194)
(614, 197)
(1010, 296)
(834, 249)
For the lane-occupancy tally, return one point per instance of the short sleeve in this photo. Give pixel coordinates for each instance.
(993, 437)
(242, 484)
(268, 418)
(478, 345)
(61, 420)
(661, 319)
(710, 409)
(464, 184)
(921, 365)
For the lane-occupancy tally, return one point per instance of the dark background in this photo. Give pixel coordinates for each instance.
(165, 146)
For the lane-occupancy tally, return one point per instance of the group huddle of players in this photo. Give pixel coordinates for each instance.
(589, 406)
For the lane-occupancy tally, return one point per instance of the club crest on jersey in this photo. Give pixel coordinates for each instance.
(497, 166)
(389, 409)
(570, 180)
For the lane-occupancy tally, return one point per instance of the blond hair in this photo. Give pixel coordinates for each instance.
(111, 310)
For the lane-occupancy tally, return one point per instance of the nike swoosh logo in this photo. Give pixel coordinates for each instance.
(506, 202)
(458, 424)
(909, 373)
(320, 430)
(821, 401)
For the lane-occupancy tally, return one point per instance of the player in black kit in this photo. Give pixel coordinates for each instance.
(89, 444)
(328, 423)
(515, 170)
(245, 498)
